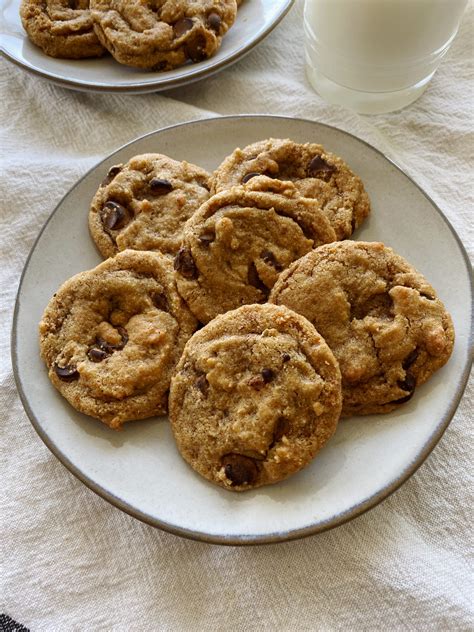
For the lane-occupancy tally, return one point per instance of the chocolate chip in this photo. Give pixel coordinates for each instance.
(282, 427)
(160, 301)
(408, 384)
(256, 281)
(196, 47)
(249, 176)
(270, 258)
(97, 354)
(202, 384)
(182, 26)
(410, 359)
(240, 469)
(207, 238)
(319, 168)
(112, 172)
(67, 373)
(268, 375)
(286, 357)
(160, 187)
(184, 264)
(214, 22)
(114, 216)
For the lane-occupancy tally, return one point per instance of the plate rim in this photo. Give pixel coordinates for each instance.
(277, 536)
(153, 86)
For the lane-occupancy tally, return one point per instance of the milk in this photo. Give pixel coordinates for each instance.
(378, 46)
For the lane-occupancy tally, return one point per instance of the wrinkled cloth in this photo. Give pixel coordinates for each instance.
(71, 561)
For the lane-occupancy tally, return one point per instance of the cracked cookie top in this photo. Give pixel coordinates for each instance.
(145, 203)
(62, 28)
(112, 336)
(379, 315)
(162, 34)
(255, 396)
(315, 172)
(235, 246)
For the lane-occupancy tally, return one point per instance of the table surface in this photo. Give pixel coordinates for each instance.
(69, 560)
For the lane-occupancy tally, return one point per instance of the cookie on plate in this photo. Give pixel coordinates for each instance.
(145, 203)
(112, 336)
(237, 243)
(379, 315)
(316, 172)
(62, 28)
(162, 34)
(256, 394)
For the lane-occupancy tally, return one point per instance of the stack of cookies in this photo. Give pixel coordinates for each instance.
(155, 35)
(237, 302)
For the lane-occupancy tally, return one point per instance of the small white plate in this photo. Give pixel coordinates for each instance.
(139, 470)
(255, 20)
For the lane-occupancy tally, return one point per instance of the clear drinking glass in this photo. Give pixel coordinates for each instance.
(377, 55)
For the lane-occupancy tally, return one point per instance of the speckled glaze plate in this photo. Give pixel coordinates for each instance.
(255, 20)
(139, 470)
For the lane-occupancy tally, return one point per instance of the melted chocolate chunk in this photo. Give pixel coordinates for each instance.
(112, 172)
(196, 48)
(202, 384)
(427, 296)
(410, 359)
(240, 469)
(270, 258)
(182, 26)
(67, 373)
(114, 216)
(319, 168)
(282, 427)
(97, 354)
(110, 348)
(160, 301)
(184, 264)
(256, 281)
(286, 357)
(249, 176)
(207, 238)
(408, 384)
(160, 187)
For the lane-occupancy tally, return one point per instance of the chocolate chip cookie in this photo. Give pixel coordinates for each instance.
(162, 34)
(62, 28)
(255, 396)
(112, 336)
(379, 315)
(235, 246)
(314, 171)
(144, 204)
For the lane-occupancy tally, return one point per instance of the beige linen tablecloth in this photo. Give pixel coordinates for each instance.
(71, 561)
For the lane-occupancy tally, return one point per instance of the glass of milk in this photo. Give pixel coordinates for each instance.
(377, 55)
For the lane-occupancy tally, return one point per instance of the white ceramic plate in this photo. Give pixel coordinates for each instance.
(139, 470)
(255, 20)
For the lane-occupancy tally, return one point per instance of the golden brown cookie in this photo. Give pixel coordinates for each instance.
(162, 34)
(315, 172)
(255, 396)
(235, 246)
(112, 336)
(144, 204)
(62, 28)
(379, 315)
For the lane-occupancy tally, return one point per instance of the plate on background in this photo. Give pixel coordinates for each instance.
(140, 470)
(255, 20)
